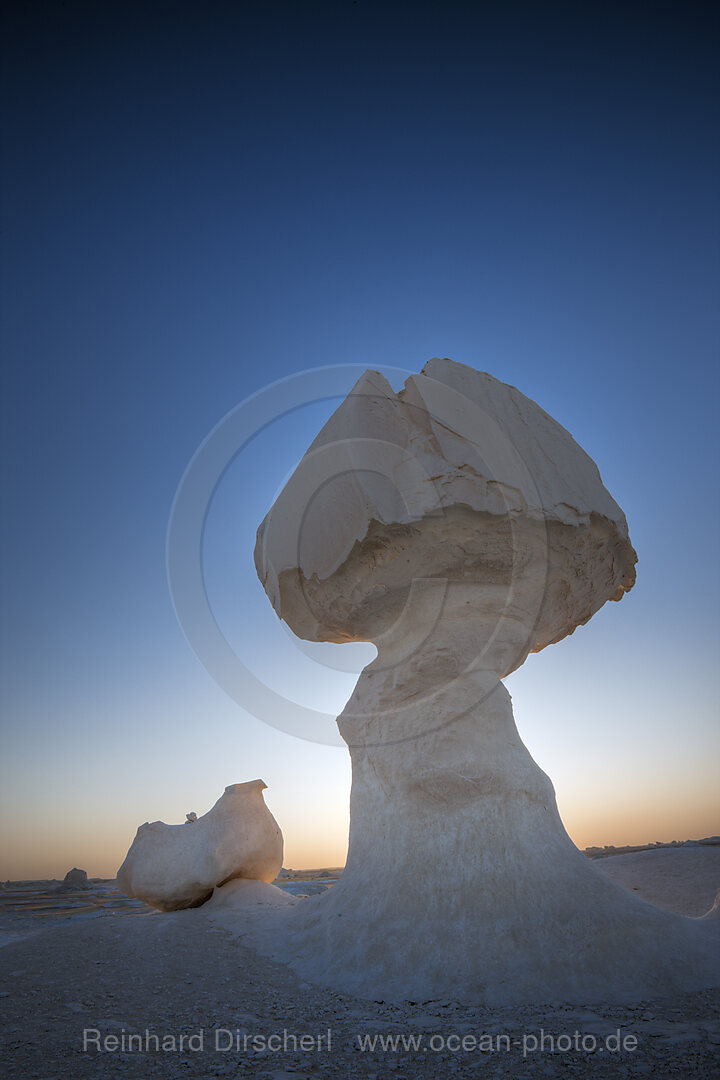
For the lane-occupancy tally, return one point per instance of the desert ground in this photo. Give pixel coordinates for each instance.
(84, 971)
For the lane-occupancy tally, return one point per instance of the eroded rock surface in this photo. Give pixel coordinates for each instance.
(178, 866)
(456, 478)
(458, 527)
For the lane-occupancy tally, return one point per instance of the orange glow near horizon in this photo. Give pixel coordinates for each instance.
(28, 856)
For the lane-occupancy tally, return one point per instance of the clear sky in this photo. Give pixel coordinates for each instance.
(200, 199)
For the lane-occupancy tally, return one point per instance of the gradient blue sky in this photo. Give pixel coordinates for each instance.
(202, 198)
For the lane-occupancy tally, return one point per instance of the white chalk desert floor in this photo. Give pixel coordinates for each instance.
(96, 961)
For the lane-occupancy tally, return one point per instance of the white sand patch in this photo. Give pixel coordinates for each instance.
(684, 880)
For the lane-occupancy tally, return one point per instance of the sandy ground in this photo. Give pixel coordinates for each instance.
(684, 880)
(173, 975)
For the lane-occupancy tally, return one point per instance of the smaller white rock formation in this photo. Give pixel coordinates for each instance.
(171, 867)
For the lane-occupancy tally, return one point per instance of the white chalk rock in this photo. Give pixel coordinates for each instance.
(243, 893)
(176, 866)
(456, 478)
(458, 527)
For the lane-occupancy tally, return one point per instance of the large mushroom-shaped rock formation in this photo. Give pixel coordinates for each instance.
(178, 866)
(458, 527)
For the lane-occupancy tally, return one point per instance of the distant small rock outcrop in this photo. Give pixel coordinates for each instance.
(74, 879)
(609, 849)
